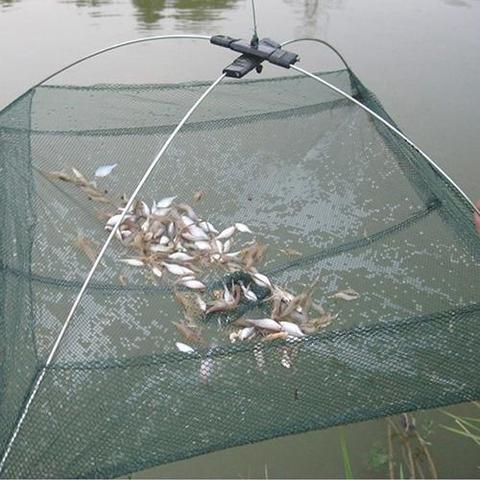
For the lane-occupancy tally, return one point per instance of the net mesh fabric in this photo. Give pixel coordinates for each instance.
(306, 170)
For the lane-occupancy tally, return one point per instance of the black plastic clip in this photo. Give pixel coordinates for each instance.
(253, 55)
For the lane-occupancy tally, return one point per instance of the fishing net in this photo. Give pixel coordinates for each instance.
(347, 211)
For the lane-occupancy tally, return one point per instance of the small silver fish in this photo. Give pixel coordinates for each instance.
(201, 303)
(192, 284)
(265, 324)
(180, 257)
(112, 221)
(177, 269)
(134, 262)
(202, 245)
(248, 294)
(183, 347)
(157, 272)
(292, 329)
(207, 227)
(197, 232)
(246, 333)
(105, 170)
(348, 295)
(241, 227)
(226, 234)
(261, 280)
(165, 202)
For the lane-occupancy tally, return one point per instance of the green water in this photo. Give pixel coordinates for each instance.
(422, 60)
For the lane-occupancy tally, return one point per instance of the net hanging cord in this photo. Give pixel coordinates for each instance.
(132, 198)
(393, 129)
(254, 40)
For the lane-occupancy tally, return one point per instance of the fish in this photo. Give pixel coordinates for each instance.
(86, 246)
(348, 295)
(207, 227)
(314, 324)
(64, 177)
(183, 347)
(292, 329)
(112, 221)
(227, 246)
(160, 248)
(226, 234)
(202, 245)
(261, 280)
(222, 306)
(164, 240)
(253, 254)
(180, 257)
(275, 336)
(197, 196)
(290, 252)
(105, 170)
(227, 295)
(134, 262)
(144, 209)
(266, 324)
(194, 237)
(122, 280)
(228, 301)
(188, 333)
(241, 227)
(246, 333)
(192, 284)
(201, 303)
(177, 269)
(165, 202)
(157, 272)
(241, 322)
(248, 294)
(79, 176)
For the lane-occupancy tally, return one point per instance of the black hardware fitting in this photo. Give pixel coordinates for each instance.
(253, 55)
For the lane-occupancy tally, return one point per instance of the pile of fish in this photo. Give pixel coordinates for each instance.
(179, 247)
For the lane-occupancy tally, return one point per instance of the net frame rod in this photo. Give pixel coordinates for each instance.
(395, 130)
(323, 42)
(86, 282)
(108, 49)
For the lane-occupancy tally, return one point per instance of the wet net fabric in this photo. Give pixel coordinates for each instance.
(308, 172)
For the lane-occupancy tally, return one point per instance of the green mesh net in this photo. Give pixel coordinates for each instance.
(336, 198)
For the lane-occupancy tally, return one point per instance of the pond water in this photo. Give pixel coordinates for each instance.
(420, 58)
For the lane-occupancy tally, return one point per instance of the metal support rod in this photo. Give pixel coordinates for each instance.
(317, 40)
(97, 262)
(107, 49)
(394, 130)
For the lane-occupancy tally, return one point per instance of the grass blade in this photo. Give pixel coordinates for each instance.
(347, 468)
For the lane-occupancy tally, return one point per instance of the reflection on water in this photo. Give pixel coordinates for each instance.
(7, 3)
(314, 16)
(149, 12)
